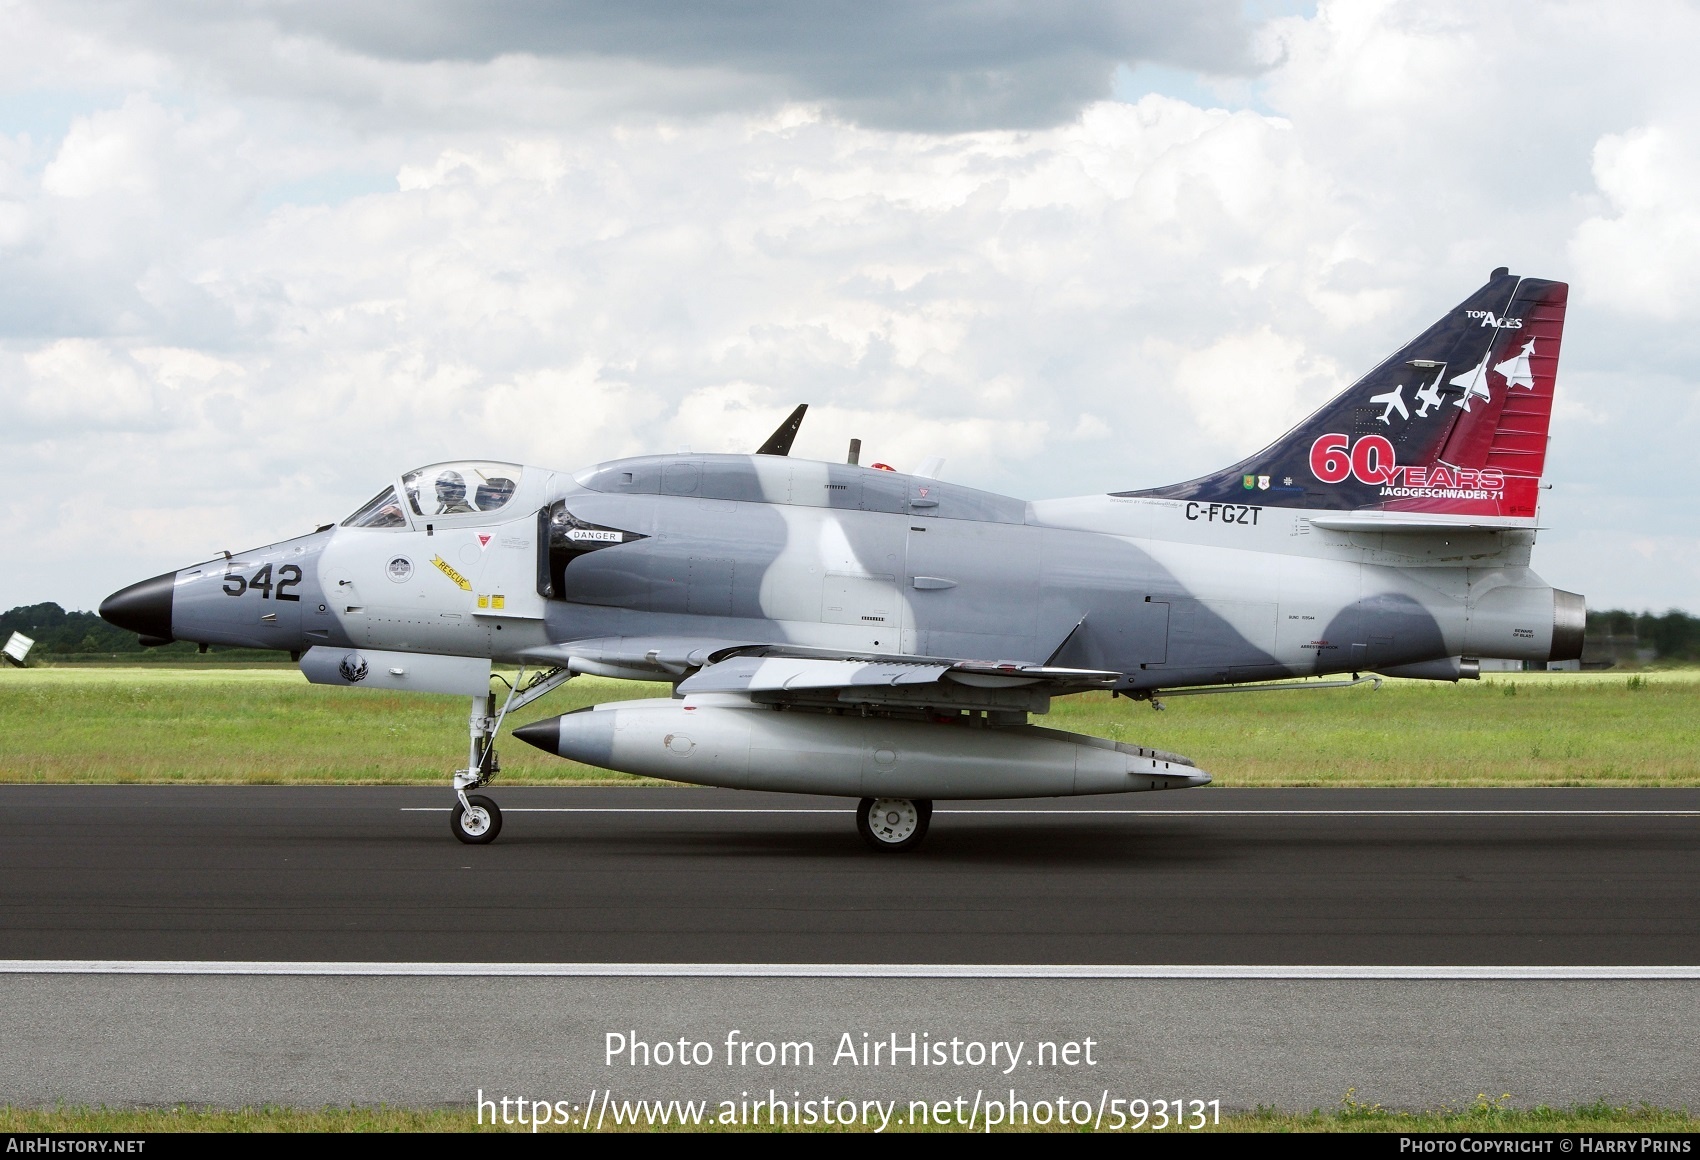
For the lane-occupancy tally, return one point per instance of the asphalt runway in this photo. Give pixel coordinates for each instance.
(1478, 941)
(1291, 877)
(308, 1042)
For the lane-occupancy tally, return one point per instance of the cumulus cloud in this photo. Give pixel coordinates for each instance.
(1245, 387)
(949, 64)
(242, 286)
(1643, 254)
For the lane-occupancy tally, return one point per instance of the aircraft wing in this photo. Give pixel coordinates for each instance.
(782, 672)
(772, 674)
(751, 674)
(739, 673)
(651, 658)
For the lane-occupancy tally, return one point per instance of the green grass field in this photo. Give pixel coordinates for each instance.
(269, 726)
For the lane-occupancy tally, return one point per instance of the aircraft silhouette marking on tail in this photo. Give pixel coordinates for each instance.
(1428, 385)
(1395, 401)
(1516, 370)
(1428, 397)
(1474, 383)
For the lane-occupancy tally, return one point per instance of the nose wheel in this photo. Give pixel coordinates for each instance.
(475, 820)
(893, 824)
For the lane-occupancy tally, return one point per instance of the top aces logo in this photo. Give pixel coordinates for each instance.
(1371, 460)
(1486, 318)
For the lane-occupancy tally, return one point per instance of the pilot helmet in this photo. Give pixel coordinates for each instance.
(451, 488)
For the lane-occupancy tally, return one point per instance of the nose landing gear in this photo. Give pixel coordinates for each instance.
(475, 819)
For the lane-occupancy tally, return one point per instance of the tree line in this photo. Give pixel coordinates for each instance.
(80, 634)
(1673, 635)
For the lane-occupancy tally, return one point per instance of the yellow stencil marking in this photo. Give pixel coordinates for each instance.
(447, 569)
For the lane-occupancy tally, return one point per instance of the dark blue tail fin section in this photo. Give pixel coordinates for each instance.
(1454, 423)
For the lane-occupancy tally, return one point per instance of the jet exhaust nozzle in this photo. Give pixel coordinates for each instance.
(1569, 625)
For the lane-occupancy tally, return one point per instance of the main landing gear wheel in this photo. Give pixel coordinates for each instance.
(477, 825)
(893, 824)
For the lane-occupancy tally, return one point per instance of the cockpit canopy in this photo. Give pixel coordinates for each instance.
(441, 491)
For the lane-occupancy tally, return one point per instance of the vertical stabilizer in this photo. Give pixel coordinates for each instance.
(1455, 423)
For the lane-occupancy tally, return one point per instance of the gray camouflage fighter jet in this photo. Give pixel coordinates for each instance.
(831, 628)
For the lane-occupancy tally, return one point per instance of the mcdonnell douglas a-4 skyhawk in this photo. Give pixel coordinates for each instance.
(830, 628)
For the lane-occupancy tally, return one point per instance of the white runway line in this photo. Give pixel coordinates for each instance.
(626, 810)
(1109, 813)
(828, 970)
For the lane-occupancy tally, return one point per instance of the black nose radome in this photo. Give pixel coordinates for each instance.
(143, 608)
(545, 734)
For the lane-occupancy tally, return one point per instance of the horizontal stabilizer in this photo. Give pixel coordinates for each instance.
(1377, 523)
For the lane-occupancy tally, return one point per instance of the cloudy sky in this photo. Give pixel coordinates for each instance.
(257, 258)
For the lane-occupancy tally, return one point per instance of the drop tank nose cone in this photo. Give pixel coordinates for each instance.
(585, 735)
(545, 734)
(143, 608)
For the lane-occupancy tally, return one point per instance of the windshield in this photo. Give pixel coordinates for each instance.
(447, 489)
(383, 511)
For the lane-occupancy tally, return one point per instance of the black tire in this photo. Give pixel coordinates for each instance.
(874, 829)
(476, 831)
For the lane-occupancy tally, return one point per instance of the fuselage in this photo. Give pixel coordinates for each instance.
(769, 549)
(829, 628)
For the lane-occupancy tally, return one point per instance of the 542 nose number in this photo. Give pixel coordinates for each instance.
(288, 576)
